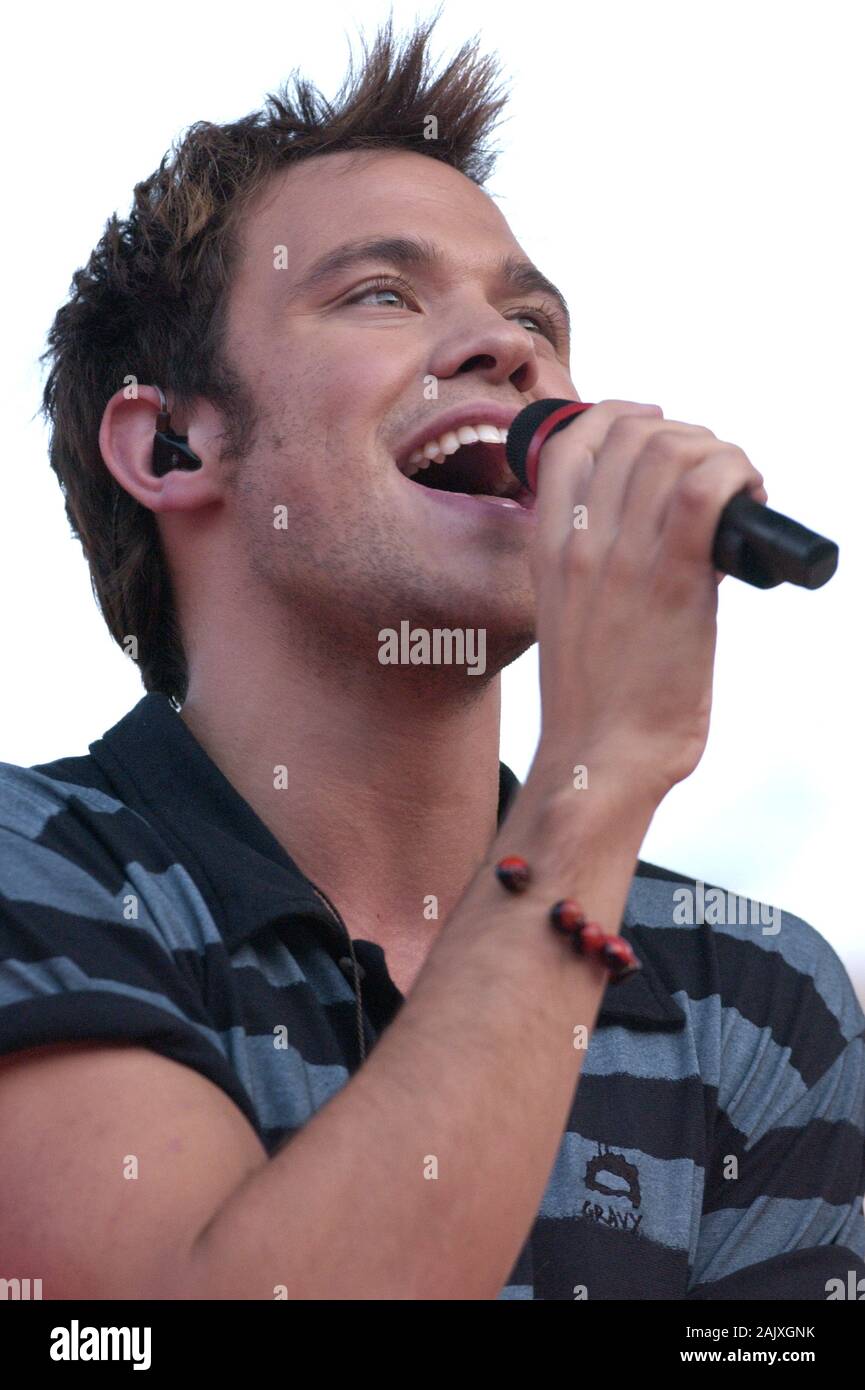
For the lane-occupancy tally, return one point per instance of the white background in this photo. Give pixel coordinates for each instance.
(690, 174)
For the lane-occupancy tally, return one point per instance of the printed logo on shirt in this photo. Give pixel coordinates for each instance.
(611, 1174)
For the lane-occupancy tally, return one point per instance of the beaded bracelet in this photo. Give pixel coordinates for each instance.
(566, 916)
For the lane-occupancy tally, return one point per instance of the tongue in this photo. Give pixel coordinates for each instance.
(488, 497)
(525, 498)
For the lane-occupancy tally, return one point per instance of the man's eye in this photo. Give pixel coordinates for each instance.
(378, 287)
(548, 323)
(544, 322)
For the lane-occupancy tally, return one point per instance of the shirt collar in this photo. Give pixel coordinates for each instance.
(161, 770)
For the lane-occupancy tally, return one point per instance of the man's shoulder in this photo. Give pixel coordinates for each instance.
(72, 852)
(67, 809)
(748, 950)
(30, 795)
(102, 928)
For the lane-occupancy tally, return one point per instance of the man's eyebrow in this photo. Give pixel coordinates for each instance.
(407, 252)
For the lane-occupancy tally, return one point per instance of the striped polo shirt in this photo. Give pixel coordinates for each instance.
(715, 1146)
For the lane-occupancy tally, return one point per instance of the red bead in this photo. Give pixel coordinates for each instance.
(618, 955)
(592, 938)
(567, 916)
(514, 873)
(616, 949)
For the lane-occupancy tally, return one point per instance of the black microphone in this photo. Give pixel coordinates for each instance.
(753, 543)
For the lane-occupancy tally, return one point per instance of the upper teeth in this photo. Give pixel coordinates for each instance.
(437, 450)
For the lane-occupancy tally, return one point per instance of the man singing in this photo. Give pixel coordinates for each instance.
(302, 995)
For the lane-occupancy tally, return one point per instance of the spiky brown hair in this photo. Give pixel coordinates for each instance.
(150, 305)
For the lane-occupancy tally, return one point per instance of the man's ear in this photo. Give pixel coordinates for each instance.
(141, 462)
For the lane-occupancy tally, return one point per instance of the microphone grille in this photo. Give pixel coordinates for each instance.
(522, 429)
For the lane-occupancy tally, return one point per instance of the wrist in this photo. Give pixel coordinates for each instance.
(579, 845)
(595, 801)
(567, 917)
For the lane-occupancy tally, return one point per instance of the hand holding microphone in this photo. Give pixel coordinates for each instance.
(752, 542)
(626, 607)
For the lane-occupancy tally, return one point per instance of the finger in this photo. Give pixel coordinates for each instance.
(566, 463)
(695, 505)
(630, 496)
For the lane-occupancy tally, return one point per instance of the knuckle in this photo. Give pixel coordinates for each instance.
(734, 449)
(631, 429)
(663, 446)
(625, 410)
(695, 491)
(753, 474)
(578, 556)
(673, 441)
(685, 426)
(654, 462)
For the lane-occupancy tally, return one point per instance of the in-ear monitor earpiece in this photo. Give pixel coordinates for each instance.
(170, 450)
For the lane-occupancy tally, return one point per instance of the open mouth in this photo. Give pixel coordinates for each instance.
(475, 470)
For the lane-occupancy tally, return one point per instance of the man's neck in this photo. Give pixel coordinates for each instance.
(380, 782)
